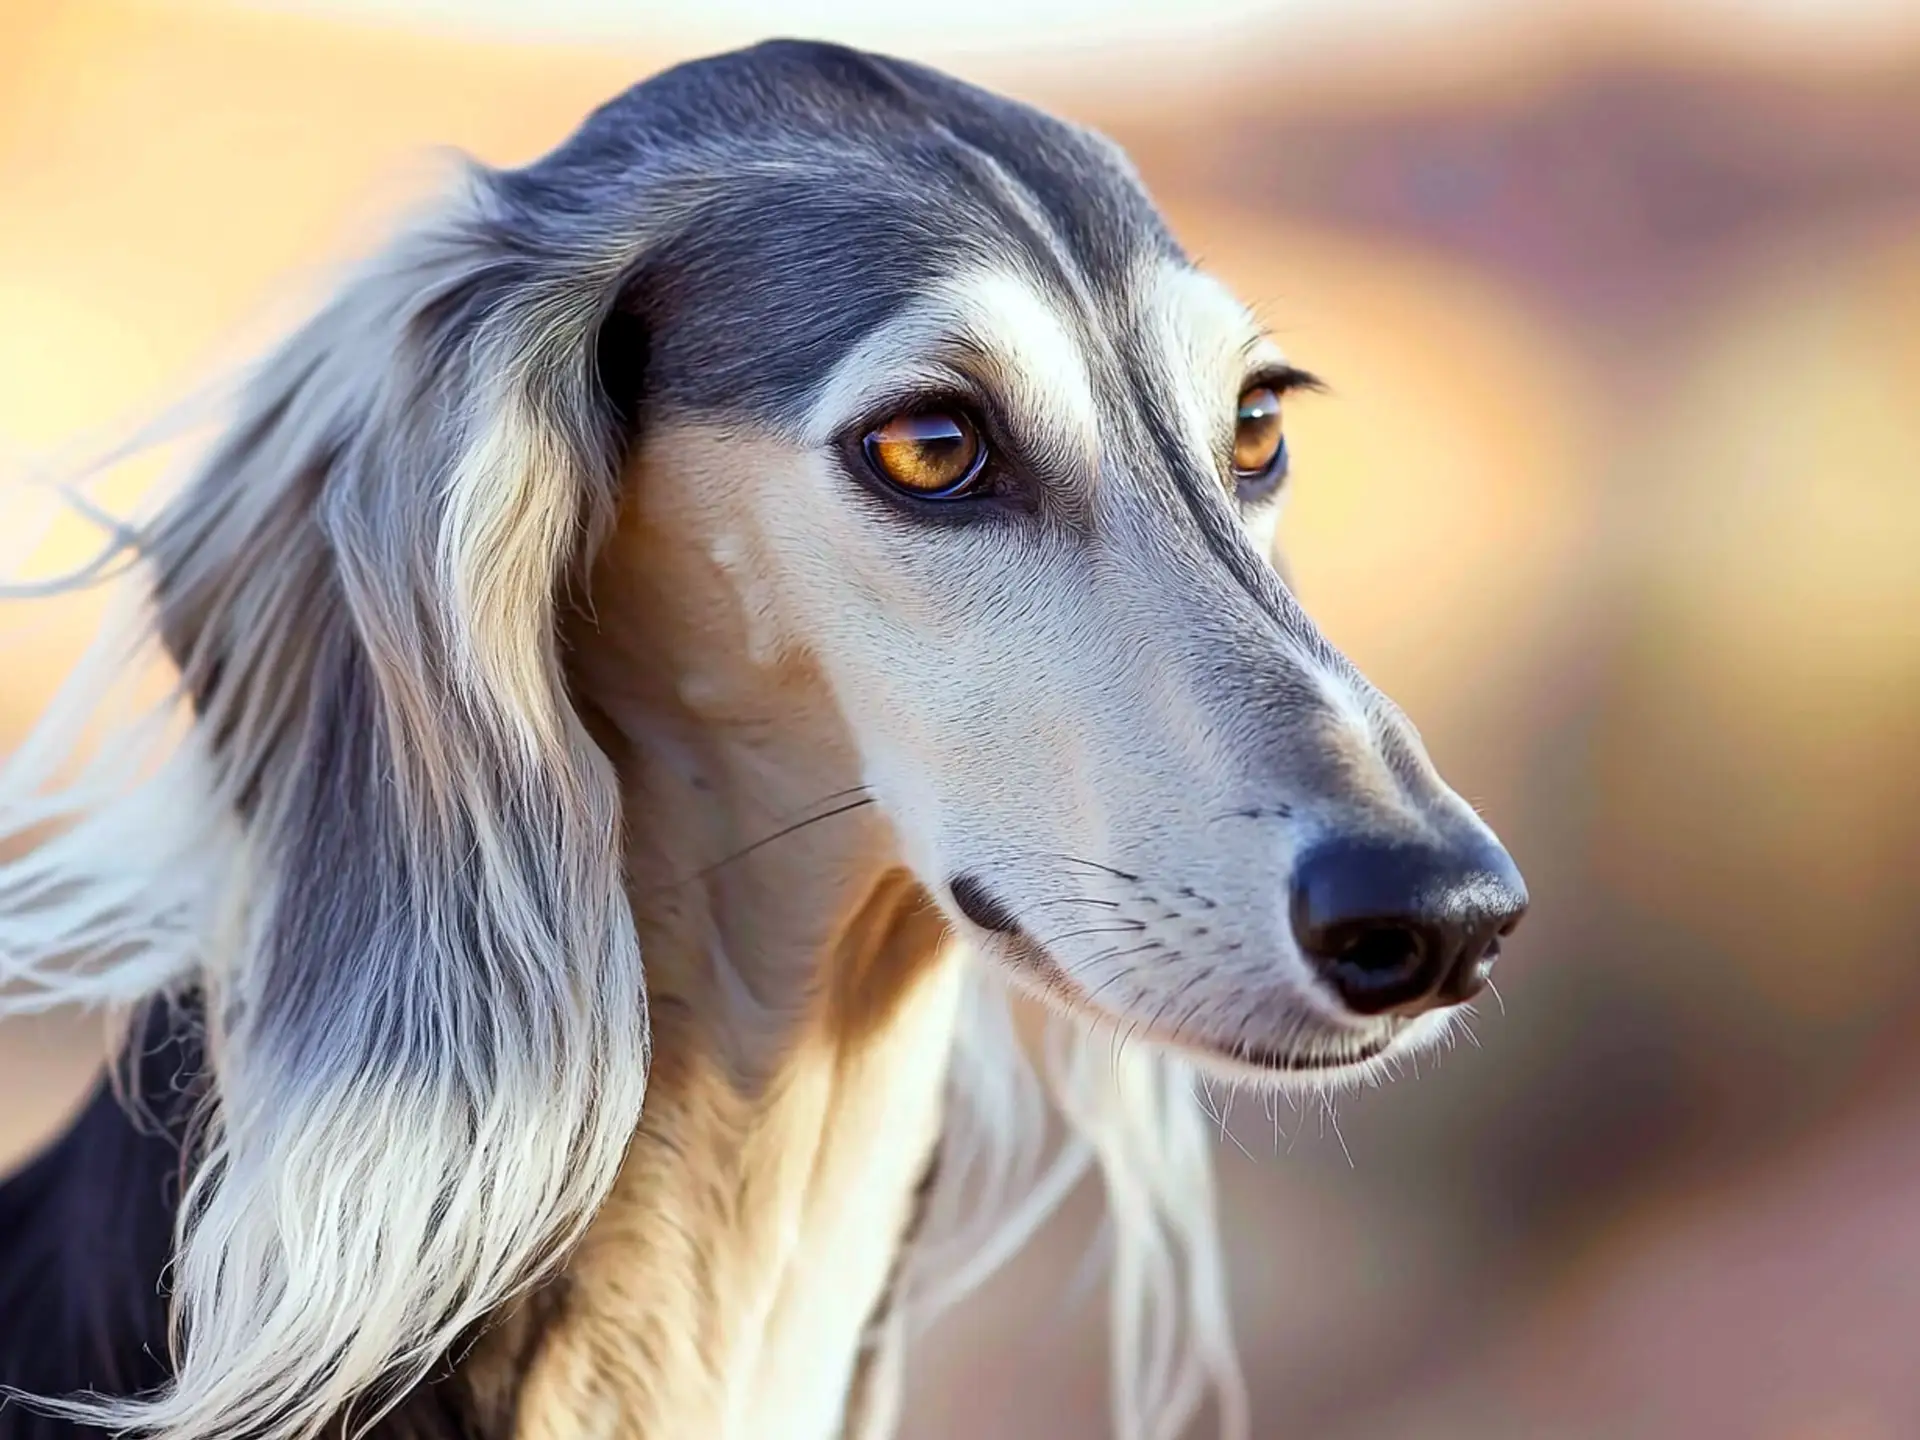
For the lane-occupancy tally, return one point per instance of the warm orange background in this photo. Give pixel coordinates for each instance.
(1618, 493)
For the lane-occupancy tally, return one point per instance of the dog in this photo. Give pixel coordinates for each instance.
(664, 653)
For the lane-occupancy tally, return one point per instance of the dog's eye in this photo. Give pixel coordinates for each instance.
(1259, 443)
(934, 454)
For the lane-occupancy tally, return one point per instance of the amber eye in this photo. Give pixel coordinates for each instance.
(932, 453)
(1259, 442)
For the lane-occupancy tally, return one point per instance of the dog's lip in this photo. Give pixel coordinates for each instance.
(1322, 1054)
(1324, 1050)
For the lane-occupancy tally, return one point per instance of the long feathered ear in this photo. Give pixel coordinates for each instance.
(424, 998)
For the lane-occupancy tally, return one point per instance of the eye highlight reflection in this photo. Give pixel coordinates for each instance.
(933, 454)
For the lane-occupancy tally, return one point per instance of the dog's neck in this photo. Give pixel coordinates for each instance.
(802, 1010)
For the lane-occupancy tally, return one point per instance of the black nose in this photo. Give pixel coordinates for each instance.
(1401, 927)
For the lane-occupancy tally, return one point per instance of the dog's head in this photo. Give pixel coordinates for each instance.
(915, 385)
(924, 375)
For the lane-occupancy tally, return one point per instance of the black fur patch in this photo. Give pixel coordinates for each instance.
(85, 1232)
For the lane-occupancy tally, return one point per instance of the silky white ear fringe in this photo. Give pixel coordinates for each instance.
(1130, 1111)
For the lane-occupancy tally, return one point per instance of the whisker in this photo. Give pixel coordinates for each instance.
(1136, 950)
(1195, 981)
(1226, 1130)
(1334, 1116)
(1131, 879)
(1218, 1114)
(824, 800)
(1121, 927)
(782, 834)
(1497, 998)
(1122, 974)
(1253, 812)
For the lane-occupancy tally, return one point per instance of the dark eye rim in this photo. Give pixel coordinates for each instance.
(959, 489)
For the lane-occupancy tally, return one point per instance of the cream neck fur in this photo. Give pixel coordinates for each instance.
(803, 1012)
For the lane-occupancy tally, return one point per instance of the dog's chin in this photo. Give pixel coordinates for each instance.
(1309, 1060)
(1313, 1051)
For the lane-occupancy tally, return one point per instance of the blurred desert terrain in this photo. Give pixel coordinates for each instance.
(1617, 492)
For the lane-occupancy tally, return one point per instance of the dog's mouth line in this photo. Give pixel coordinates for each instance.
(1319, 1053)
(1301, 1060)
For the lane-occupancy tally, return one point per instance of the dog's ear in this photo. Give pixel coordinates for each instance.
(426, 1011)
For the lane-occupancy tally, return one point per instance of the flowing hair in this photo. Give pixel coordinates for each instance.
(368, 833)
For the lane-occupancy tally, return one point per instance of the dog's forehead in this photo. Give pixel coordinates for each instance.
(819, 192)
(797, 100)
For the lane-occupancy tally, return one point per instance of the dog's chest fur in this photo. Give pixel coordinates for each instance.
(728, 1285)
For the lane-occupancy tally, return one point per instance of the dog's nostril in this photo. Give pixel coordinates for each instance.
(1404, 928)
(1382, 950)
(1375, 964)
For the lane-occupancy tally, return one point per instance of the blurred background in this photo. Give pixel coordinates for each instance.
(1617, 492)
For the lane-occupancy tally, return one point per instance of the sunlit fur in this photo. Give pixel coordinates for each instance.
(482, 589)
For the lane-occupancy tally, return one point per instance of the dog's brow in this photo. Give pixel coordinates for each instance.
(1042, 369)
(995, 328)
(1204, 344)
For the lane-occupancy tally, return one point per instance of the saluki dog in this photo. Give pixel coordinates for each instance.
(660, 655)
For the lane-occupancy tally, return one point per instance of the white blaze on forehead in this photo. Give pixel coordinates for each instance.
(1208, 343)
(992, 327)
